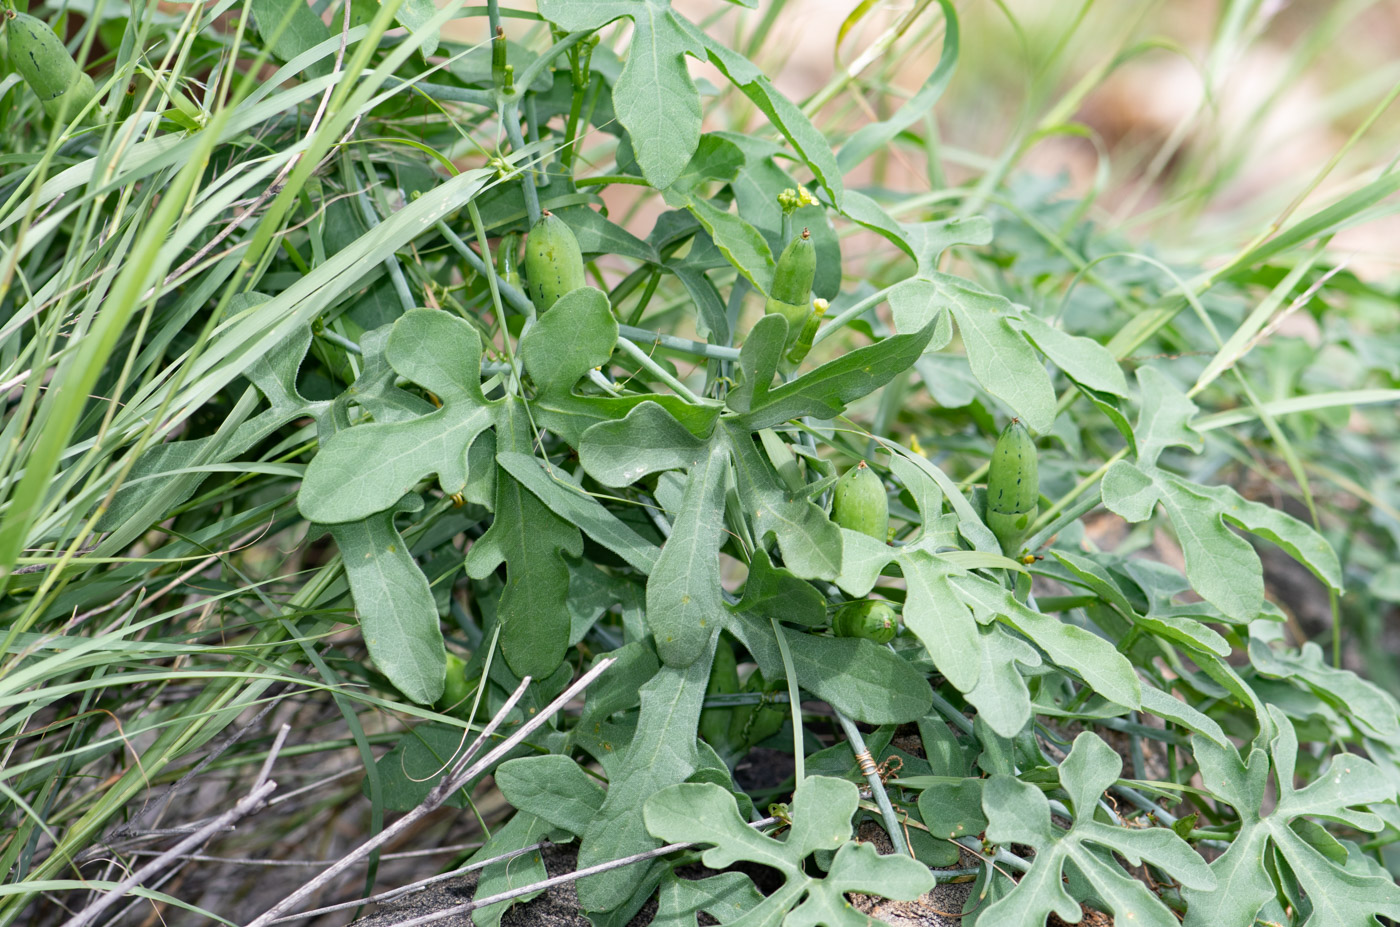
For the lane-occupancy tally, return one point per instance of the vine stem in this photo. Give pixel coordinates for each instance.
(1068, 498)
(510, 118)
(536, 67)
(656, 370)
(829, 329)
(511, 294)
(684, 345)
(601, 180)
(877, 787)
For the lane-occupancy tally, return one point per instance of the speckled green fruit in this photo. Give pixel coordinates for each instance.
(871, 619)
(1013, 486)
(860, 504)
(553, 261)
(42, 60)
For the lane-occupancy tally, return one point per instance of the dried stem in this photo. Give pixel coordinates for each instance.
(456, 776)
(248, 804)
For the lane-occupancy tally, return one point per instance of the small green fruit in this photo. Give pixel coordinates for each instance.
(808, 335)
(859, 503)
(871, 619)
(797, 267)
(553, 261)
(791, 293)
(456, 691)
(1013, 486)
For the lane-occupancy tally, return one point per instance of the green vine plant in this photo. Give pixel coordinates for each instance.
(793, 506)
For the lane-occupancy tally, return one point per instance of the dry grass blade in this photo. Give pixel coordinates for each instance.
(251, 803)
(455, 777)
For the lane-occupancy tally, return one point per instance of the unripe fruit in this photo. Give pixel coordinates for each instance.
(456, 691)
(871, 619)
(808, 335)
(859, 503)
(553, 261)
(797, 267)
(1013, 486)
(42, 60)
(791, 293)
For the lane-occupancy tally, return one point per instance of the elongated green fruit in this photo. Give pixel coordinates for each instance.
(809, 332)
(42, 60)
(871, 619)
(859, 503)
(553, 261)
(791, 293)
(797, 266)
(1013, 486)
(724, 680)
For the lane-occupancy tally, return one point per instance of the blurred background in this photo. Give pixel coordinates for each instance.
(1188, 122)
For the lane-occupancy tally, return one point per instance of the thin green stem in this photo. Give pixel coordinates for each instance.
(511, 294)
(510, 118)
(855, 312)
(535, 68)
(656, 370)
(603, 180)
(877, 786)
(494, 283)
(672, 343)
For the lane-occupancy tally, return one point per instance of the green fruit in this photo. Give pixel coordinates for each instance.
(456, 691)
(808, 334)
(1013, 486)
(791, 293)
(797, 266)
(724, 680)
(860, 504)
(553, 261)
(42, 60)
(871, 619)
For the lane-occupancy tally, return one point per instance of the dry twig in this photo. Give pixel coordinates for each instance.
(453, 780)
(248, 804)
